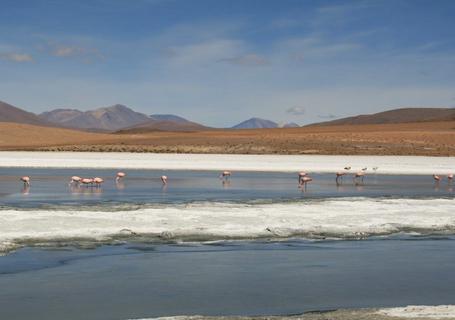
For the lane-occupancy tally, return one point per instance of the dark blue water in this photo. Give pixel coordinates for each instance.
(253, 278)
(50, 187)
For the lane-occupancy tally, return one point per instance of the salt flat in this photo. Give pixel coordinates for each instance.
(338, 218)
(278, 163)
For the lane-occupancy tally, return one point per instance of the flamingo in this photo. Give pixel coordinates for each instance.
(301, 175)
(339, 176)
(225, 175)
(75, 179)
(436, 178)
(25, 180)
(164, 179)
(450, 177)
(87, 181)
(360, 175)
(304, 181)
(120, 175)
(98, 181)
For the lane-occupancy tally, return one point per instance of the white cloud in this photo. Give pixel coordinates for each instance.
(203, 52)
(16, 57)
(251, 59)
(296, 111)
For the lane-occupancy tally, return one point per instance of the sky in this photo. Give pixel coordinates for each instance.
(220, 62)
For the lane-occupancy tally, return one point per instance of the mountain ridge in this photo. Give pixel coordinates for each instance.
(400, 115)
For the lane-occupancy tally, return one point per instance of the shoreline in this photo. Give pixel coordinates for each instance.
(418, 312)
(415, 165)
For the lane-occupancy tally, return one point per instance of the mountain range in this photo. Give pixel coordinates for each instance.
(118, 118)
(121, 119)
(258, 123)
(106, 119)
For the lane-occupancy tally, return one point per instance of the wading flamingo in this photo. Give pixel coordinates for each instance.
(98, 181)
(87, 181)
(304, 181)
(450, 177)
(436, 179)
(339, 176)
(360, 175)
(301, 175)
(120, 175)
(75, 180)
(25, 180)
(164, 179)
(225, 175)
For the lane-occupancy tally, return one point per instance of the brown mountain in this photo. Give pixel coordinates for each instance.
(107, 119)
(9, 113)
(154, 125)
(404, 115)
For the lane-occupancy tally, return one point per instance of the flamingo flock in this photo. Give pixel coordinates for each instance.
(303, 178)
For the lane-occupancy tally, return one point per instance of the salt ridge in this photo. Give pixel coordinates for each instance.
(338, 218)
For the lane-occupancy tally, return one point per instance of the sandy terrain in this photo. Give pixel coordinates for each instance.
(426, 138)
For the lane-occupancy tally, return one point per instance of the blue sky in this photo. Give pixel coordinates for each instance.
(220, 62)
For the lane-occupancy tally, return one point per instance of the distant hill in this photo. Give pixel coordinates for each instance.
(109, 119)
(404, 115)
(290, 125)
(256, 123)
(157, 125)
(9, 113)
(169, 117)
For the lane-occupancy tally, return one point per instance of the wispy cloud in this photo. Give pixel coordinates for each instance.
(251, 59)
(85, 53)
(296, 111)
(16, 57)
(202, 52)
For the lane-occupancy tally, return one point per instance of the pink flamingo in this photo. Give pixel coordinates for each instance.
(98, 181)
(436, 178)
(120, 175)
(87, 181)
(339, 176)
(75, 180)
(360, 175)
(164, 179)
(225, 175)
(450, 177)
(304, 181)
(301, 175)
(25, 180)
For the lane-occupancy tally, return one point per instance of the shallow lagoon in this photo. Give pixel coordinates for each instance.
(225, 278)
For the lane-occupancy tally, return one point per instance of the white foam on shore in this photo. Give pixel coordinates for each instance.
(278, 163)
(413, 312)
(433, 312)
(343, 218)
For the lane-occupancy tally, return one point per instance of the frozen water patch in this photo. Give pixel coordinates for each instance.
(433, 312)
(333, 218)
